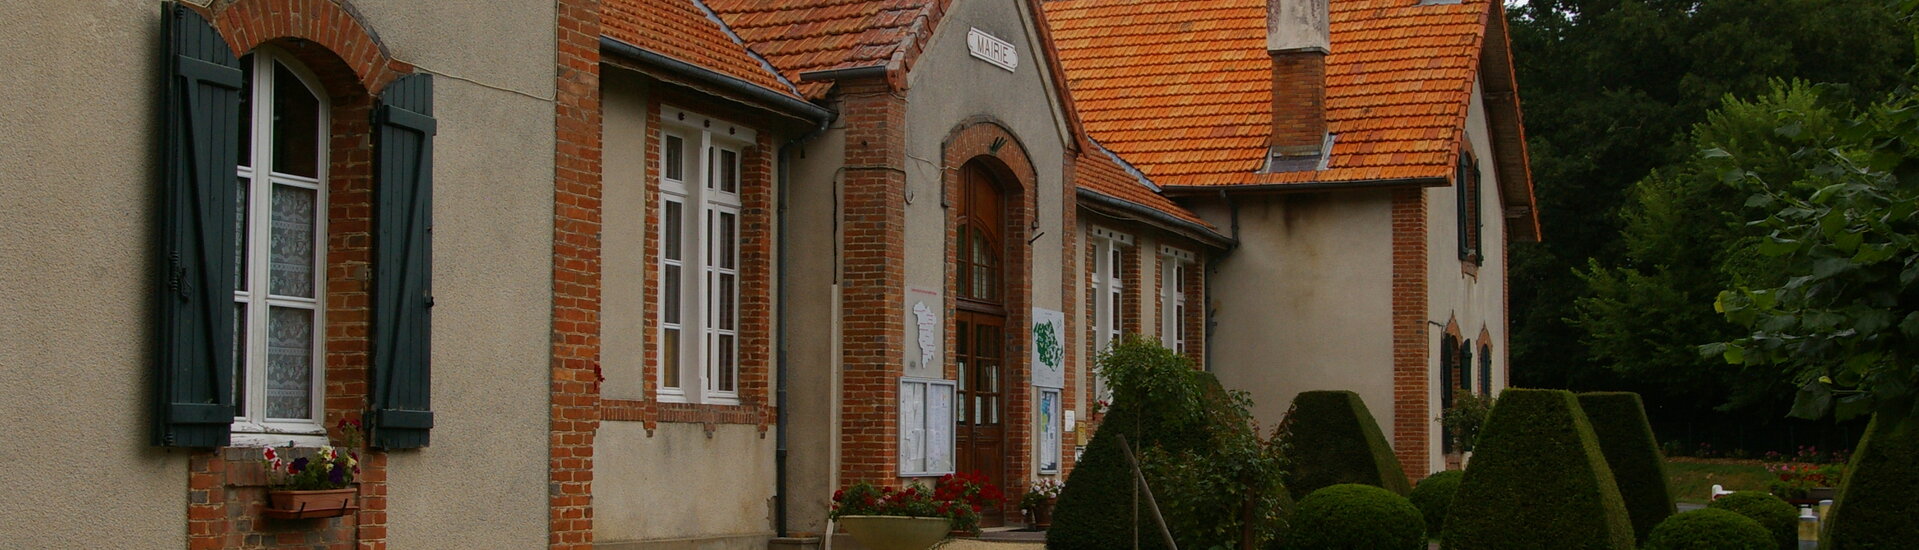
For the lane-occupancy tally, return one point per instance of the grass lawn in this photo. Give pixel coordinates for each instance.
(1691, 479)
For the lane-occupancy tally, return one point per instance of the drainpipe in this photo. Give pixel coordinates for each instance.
(784, 182)
(1212, 264)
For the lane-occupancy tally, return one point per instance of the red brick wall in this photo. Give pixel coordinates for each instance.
(575, 383)
(1412, 411)
(1299, 102)
(872, 284)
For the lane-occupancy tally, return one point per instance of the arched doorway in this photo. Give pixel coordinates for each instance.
(980, 339)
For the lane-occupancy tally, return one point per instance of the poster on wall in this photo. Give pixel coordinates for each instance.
(1049, 430)
(926, 427)
(923, 331)
(1049, 348)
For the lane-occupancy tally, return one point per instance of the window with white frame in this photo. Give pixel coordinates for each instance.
(1108, 272)
(1174, 265)
(279, 283)
(700, 185)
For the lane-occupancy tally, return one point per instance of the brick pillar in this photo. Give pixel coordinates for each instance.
(574, 388)
(872, 284)
(1412, 411)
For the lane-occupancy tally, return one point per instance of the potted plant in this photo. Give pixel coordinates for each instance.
(914, 518)
(1039, 500)
(319, 485)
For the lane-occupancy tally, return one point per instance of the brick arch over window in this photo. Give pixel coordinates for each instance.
(326, 35)
(987, 143)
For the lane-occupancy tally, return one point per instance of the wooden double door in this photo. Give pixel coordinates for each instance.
(980, 432)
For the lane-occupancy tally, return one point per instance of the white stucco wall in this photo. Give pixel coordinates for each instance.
(679, 483)
(813, 329)
(1305, 302)
(1474, 298)
(623, 233)
(78, 258)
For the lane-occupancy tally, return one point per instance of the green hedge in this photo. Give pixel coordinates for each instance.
(1434, 495)
(1778, 517)
(1330, 438)
(1709, 529)
(1619, 421)
(1537, 472)
(1351, 516)
(1878, 507)
(1196, 446)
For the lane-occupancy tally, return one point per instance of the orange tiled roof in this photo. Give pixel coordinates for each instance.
(1099, 171)
(1183, 89)
(802, 36)
(681, 29)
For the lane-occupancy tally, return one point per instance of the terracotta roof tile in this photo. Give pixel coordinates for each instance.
(1183, 90)
(682, 29)
(1101, 172)
(801, 36)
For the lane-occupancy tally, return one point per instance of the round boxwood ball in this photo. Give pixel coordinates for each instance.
(1434, 495)
(1709, 529)
(1356, 517)
(1778, 517)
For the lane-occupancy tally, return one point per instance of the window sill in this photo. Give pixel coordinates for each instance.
(256, 438)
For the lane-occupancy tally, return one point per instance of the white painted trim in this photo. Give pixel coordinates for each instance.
(1108, 234)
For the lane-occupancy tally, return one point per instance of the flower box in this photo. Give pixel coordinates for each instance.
(326, 503)
(896, 532)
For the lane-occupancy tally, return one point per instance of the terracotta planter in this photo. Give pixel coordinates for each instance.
(312, 504)
(896, 532)
(1043, 514)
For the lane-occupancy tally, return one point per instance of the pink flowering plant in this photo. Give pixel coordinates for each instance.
(330, 467)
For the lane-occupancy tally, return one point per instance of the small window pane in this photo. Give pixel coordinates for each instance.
(289, 363)
(291, 242)
(674, 230)
(675, 158)
(670, 301)
(729, 171)
(296, 125)
(240, 196)
(728, 241)
(670, 360)
(239, 359)
(727, 290)
(727, 364)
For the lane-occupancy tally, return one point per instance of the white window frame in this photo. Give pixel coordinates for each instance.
(704, 201)
(1108, 276)
(251, 425)
(1174, 265)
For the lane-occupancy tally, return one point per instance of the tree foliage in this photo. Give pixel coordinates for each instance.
(1610, 88)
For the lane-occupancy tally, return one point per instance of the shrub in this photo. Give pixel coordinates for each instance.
(1619, 421)
(1880, 497)
(1777, 517)
(1433, 495)
(1330, 438)
(1351, 516)
(1196, 446)
(1709, 529)
(1537, 473)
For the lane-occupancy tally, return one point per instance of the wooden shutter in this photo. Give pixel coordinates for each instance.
(402, 264)
(202, 90)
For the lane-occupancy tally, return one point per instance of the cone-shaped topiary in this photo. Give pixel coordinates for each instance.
(1330, 438)
(1879, 501)
(1779, 518)
(1434, 495)
(1709, 529)
(1351, 516)
(1537, 480)
(1619, 420)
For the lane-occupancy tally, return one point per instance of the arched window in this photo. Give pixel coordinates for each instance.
(280, 231)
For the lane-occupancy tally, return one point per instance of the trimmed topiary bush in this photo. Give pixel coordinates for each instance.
(1709, 529)
(1537, 479)
(1351, 516)
(1197, 448)
(1330, 438)
(1776, 516)
(1879, 502)
(1619, 421)
(1434, 495)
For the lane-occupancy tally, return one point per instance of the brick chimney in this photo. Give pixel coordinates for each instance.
(1298, 39)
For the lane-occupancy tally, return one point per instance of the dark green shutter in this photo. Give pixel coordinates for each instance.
(1461, 189)
(195, 379)
(1486, 370)
(403, 129)
(1465, 366)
